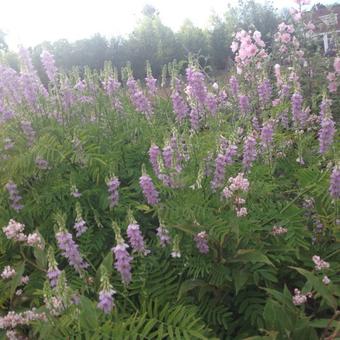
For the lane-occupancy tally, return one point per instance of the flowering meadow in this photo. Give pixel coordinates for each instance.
(173, 208)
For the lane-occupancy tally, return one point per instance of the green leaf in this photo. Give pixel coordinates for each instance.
(323, 323)
(41, 257)
(15, 282)
(107, 264)
(251, 255)
(88, 317)
(189, 285)
(319, 286)
(240, 278)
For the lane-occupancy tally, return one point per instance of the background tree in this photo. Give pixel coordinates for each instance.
(3, 45)
(220, 38)
(152, 40)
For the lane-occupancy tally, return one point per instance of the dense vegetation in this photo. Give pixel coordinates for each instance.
(182, 209)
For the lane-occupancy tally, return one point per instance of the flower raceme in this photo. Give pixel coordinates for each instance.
(299, 298)
(196, 88)
(249, 151)
(70, 250)
(248, 48)
(48, 62)
(163, 236)
(201, 240)
(319, 263)
(154, 155)
(15, 231)
(139, 100)
(334, 187)
(80, 226)
(106, 302)
(136, 238)
(267, 134)
(123, 261)
(236, 186)
(8, 273)
(112, 188)
(326, 133)
(14, 196)
(13, 319)
(180, 106)
(149, 190)
(224, 157)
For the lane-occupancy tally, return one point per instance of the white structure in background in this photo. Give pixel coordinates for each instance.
(327, 23)
(330, 20)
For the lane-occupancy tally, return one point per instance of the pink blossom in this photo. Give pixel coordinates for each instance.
(8, 273)
(332, 87)
(319, 263)
(34, 240)
(163, 236)
(227, 193)
(310, 26)
(238, 183)
(331, 76)
(14, 230)
(241, 212)
(234, 46)
(278, 230)
(201, 240)
(337, 65)
(326, 280)
(298, 298)
(285, 38)
(25, 280)
(13, 319)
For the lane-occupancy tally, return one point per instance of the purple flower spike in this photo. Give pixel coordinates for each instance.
(163, 235)
(123, 260)
(326, 134)
(112, 187)
(53, 274)
(106, 302)
(180, 106)
(334, 187)
(14, 196)
(136, 238)
(80, 226)
(149, 190)
(154, 154)
(70, 250)
(48, 62)
(201, 240)
(249, 151)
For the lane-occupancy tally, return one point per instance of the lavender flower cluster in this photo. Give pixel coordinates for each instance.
(15, 231)
(106, 302)
(112, 187)
(139, 100)
(236, 186)
(14, 196)
(123, 261)
(136, 239)
(70, 250)
(150, 193)
(201, 240)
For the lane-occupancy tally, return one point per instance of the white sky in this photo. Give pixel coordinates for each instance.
(29, 22)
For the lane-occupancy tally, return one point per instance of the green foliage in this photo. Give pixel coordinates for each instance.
(244, 287)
